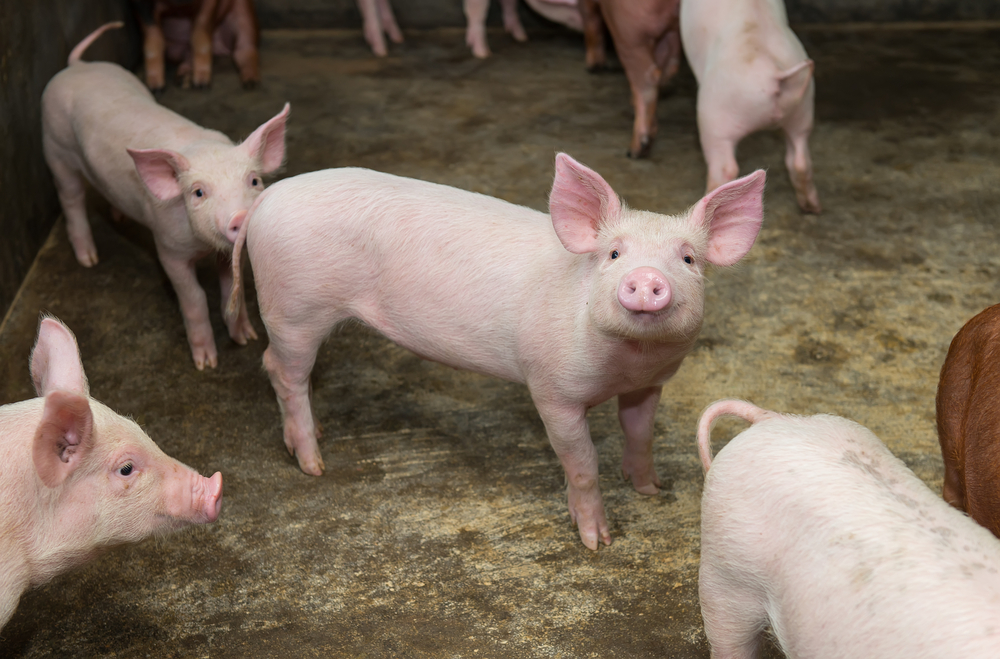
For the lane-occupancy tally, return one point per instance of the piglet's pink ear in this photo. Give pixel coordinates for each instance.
(159, 169)
(733, 214)
(579, 203)
(63, 436)
(267, 143)
(55, 360)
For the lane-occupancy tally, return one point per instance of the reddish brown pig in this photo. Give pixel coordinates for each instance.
(968, 420)
(648, 42)
(191, 31)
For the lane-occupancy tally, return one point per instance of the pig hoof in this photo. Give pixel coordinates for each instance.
(312, 467)
(642, 151)
(250, 84)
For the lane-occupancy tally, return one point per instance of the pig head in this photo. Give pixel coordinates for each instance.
(79, 478)
(191, 31)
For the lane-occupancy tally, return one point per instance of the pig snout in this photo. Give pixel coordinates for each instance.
(197, 500)
(233, 225)
(644, 290)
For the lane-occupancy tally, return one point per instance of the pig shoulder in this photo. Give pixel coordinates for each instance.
(834, 528)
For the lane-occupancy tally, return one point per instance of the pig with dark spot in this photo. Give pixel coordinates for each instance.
(968, 419)
(753, 74)
(189, 185)
(78, 478)
(810, 526)
(595, 301)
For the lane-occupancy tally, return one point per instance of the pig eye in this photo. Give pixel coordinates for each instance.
(614, 254)
(254, 182)
(199, 193)
(688, 259)
(125, 469)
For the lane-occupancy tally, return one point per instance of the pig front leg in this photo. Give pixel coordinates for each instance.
(194, 307)
(388, 20)
(644, 79)
(569, 435)
(289, 362)
(475, 31)
(153, 47)
(372, 27)
(511, 21)
(637, 414)
(240, 328)
(201, 44)
(593, 35)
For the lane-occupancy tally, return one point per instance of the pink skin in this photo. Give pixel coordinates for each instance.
(811, 527)
(379, 22)
(407, 258)
(753, 74)
(192, 32)
(558, 11)
(647, 40)
(187, 184)
(78, 478)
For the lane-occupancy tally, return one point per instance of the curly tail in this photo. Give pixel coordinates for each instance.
(729, 407)
(77, 52)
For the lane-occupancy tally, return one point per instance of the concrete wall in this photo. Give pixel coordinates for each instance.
(35, 40)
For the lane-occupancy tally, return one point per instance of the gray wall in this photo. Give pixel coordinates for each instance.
(35, 39)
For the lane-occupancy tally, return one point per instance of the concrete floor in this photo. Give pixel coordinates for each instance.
(440, 529)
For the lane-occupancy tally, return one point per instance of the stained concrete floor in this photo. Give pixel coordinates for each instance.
(440, 529)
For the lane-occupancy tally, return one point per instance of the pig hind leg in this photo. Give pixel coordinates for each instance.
(593, 35)
(72, 196)
(289, 360)
(734, 617)
(797, 158)
(720, 157)
(644, 80)
(511, 21)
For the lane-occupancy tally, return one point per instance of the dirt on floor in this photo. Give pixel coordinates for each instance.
(440, 529)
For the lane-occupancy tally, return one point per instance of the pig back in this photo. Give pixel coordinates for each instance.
(853, 554)
(446, 273)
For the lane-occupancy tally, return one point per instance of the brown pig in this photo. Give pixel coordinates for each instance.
(968, 420)
(648, 42)
(77, 477)
(192, 31)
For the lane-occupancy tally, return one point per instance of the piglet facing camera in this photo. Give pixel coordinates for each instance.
(812, 527)
(78, 478)
(593, 301)
(188, 185)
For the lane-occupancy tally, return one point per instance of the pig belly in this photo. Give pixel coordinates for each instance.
(847, 551)
(417, 261)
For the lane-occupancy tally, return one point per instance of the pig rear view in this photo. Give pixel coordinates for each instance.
(812, 527)
(968, 419)
(753, 73)
(595, 301)
(78, 478)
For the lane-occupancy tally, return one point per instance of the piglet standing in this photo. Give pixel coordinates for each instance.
(190, 186)
(596, 301)
(968, 420)
(191, 31)
(648, 43)
(753, 73)
(812, 527)
(78, 478)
